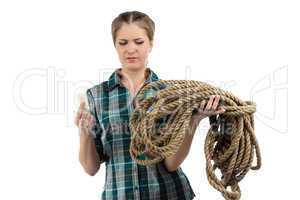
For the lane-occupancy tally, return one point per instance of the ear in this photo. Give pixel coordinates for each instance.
(151, 45)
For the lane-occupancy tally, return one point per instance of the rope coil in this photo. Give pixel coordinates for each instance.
(159, 123)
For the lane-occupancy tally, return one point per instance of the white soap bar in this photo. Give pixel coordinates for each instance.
(81, 97)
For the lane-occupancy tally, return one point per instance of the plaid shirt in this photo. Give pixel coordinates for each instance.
(111, 104)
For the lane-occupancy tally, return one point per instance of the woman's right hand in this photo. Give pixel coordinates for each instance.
(84, 119)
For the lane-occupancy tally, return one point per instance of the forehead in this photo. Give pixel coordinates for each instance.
(131, 31)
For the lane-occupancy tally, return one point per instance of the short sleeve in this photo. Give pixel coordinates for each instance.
(96, 129)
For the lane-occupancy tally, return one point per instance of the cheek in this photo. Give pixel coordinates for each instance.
(144, 53)
(121, 53)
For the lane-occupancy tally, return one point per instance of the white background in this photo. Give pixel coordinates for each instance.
(49, 49)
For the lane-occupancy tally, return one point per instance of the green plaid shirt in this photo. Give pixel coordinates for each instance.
(111, 104)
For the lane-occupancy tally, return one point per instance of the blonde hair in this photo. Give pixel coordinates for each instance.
(141, 19)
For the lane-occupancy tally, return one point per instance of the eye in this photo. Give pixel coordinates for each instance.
(139, 42)
(122, 43)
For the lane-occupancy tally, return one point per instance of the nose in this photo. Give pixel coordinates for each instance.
(131, 48)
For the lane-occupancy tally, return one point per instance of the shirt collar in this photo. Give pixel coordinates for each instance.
(114, 79)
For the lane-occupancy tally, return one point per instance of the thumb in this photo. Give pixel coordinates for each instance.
(79, 113)
(82, 105)
(83, 101)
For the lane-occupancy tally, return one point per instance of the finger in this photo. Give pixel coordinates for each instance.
(216, 102)
(82, 104)
(80, 110)
(84, 122)
(220, 111)
(76, 119)
(201, 108)
(91, 121)
(81, 124)
(223, 109)
(85, 115)
(209, 103)
(78, 116)
(91, 117)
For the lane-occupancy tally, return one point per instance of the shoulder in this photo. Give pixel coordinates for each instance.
(98, 89)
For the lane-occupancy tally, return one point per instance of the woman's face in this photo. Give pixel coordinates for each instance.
(133, 46)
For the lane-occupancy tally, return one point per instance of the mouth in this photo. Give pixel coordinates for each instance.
(131, 59)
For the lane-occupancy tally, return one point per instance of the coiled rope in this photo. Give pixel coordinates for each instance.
(160, 121)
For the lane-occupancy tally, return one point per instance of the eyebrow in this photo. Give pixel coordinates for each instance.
(134, 39)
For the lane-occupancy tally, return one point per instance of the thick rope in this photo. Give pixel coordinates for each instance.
(160, 121)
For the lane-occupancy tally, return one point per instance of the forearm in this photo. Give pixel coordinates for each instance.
(173, 162)
(88, 156)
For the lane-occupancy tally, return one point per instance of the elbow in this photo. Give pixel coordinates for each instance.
(91, 172)
(170, 166)
(172, 169)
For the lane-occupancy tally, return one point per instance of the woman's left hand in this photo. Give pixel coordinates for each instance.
(210, 109)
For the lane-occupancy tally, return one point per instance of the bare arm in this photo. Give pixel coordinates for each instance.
(88, 155)
(173, 162)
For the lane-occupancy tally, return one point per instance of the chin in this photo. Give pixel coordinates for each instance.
(134, 66)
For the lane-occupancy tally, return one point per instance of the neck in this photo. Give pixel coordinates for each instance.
(133, 78)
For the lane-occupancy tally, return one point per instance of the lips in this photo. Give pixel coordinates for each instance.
(131, 59)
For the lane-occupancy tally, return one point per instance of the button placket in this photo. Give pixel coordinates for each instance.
(135, 183)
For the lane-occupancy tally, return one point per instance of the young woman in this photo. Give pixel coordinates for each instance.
(105, 133)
